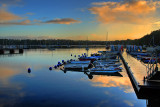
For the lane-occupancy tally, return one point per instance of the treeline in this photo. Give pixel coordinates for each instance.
(49, 42)
(149, 39)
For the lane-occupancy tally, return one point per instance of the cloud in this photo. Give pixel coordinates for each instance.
(7, 16)
(105, 81)
(63, 21)
(132, 11)
(157, 23)
(25, 22)
(129, 103)
(29, 13)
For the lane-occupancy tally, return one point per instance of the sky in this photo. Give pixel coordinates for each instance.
(78, 19)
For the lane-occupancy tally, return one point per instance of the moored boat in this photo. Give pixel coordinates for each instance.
(92, 59)
(105, 70)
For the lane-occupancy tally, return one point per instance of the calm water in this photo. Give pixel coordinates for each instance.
(43, 87)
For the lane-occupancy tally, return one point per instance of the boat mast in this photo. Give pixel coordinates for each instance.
(153, 40)
(87, 41)
(106, 38)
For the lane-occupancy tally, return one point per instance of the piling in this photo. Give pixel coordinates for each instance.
(20, 50)
(1, 51)
(11, 51)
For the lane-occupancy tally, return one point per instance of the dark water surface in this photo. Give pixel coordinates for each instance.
(43, 87)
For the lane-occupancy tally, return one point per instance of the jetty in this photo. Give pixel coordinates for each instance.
(151, 83)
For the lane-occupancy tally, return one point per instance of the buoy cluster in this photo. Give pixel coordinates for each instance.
(61, 63)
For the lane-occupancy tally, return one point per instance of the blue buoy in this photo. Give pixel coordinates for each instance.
(50, 68)
(71, 54)
(74, 55)
(62, 61)
(29, 70)
(55, 66)
(58, 62)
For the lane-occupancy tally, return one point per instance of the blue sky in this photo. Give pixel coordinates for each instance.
(77, 19)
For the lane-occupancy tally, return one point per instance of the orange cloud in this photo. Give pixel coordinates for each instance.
(125, 12)
(105, 81)
(63, 21)
(7, 16)
(25, 22)
(129, 103)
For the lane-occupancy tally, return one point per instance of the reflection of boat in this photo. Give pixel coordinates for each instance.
(108, 74)
(80, 71)
(87, 48)
(73, 70)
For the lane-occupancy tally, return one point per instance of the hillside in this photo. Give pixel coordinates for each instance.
(148, 39)
(145, 40)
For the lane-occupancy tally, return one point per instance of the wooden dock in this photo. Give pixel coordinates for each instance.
(150, 88)
(11, 51)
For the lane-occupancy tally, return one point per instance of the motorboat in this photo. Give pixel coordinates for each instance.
(106, 70)
(107, 65)
(78, 65)
(80, 62)
(92, 59)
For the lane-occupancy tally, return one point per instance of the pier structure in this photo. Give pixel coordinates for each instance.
(9, 49)
(150, 88)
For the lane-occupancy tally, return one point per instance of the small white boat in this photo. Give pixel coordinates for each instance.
(76, 66)
(107, 65)
(106, 70)
(80, 62)
(102, 62)
(109, 60)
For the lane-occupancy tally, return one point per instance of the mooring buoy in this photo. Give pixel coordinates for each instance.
(29, 70)
(50, 68)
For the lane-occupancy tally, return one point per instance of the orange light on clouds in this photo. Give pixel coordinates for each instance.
(126, 20)
(107, 81)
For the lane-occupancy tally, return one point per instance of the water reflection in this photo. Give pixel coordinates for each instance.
(108, 80)
(42, 87)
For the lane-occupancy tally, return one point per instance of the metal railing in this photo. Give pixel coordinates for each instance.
(151, 67)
